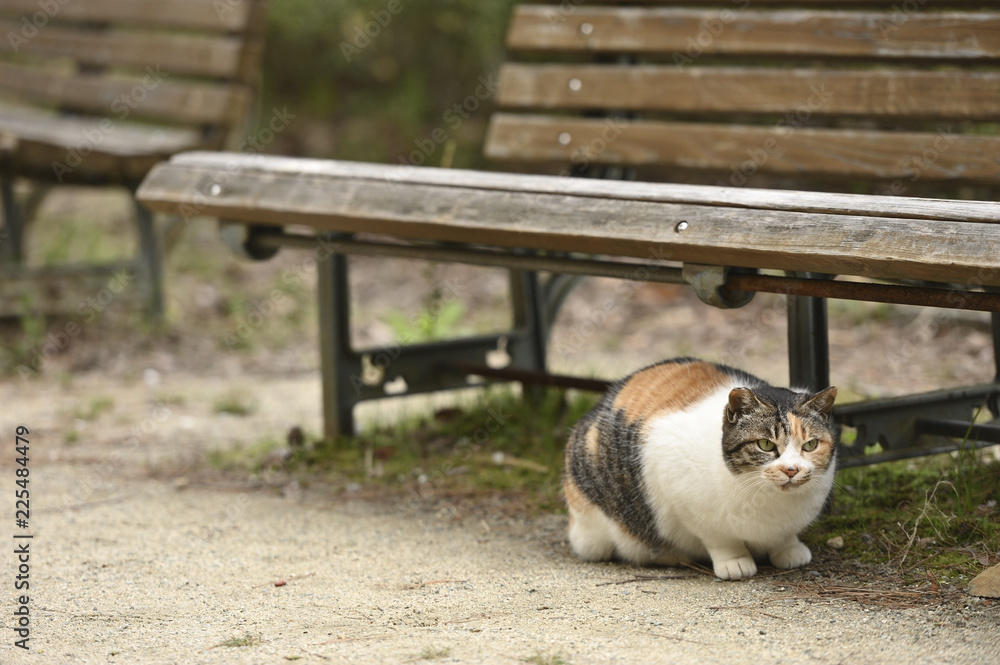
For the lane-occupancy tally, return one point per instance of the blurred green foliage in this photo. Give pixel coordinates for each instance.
(371, 80)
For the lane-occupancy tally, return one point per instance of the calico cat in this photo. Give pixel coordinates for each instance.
(687, 460)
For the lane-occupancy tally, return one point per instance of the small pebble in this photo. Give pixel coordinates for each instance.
(837, 542)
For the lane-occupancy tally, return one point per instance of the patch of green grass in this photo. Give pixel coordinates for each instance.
(248, 459)
(501, 444)
(93, 409)
(235, 402)
(934, 518)
(545, 659)
(244, 641)
(433, 653)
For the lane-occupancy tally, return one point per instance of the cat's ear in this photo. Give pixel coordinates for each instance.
(822, 402)
(741, 400)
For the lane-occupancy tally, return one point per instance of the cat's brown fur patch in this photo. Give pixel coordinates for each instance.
(668, 387)
(797, 428)
(593, 440)
(575, 498)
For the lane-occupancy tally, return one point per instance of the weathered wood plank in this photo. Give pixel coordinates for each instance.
(742, 150)
(87, 150)
(152, 96)
(215, 56)
(840, 244)
(88, 135)
(879, 93)
(221, 16)
(864, 34)
(731, 197)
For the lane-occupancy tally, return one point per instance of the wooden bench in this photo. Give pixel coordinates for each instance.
(819, 97)
(95, 92)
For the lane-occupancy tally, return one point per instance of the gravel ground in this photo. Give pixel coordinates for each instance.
(133, 564)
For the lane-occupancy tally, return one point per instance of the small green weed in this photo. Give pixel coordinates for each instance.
(433, 653)
(545, 659)
(94, 408)
(244, 641)
(235, 402)
(436, 320)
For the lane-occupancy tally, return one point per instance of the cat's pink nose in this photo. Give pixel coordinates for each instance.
(790, 471)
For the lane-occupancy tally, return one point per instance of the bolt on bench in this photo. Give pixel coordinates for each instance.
(95, 92)
(812, 99)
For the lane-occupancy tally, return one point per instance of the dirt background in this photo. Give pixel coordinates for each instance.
(143, 554)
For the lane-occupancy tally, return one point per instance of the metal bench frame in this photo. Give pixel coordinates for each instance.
(931, 252)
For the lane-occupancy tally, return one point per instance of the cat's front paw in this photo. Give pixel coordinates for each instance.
(795, 555)
(734, 569)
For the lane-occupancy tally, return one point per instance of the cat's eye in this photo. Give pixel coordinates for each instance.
(766, 445)
(810, 445)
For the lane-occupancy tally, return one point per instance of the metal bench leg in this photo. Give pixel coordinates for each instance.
(808, 345)
(336, 357)
(13, 224)
(529, 317)
(151, 260)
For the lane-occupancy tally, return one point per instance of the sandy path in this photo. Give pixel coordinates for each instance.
(129, 568)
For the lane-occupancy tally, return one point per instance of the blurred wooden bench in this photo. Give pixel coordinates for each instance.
(838, 111)
(95, 92)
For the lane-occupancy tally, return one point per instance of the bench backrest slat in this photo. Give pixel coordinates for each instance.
(889, 94)
(152, 97)
(187, 63)
(726, 149)
(197, 55)
(221, 16)
(787, 32)
(809, 93)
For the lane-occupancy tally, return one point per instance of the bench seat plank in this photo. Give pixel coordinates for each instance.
(811, 33)
(543, 217)
(868, 93)
(780, 147)
(86, 146)
(731, 197)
